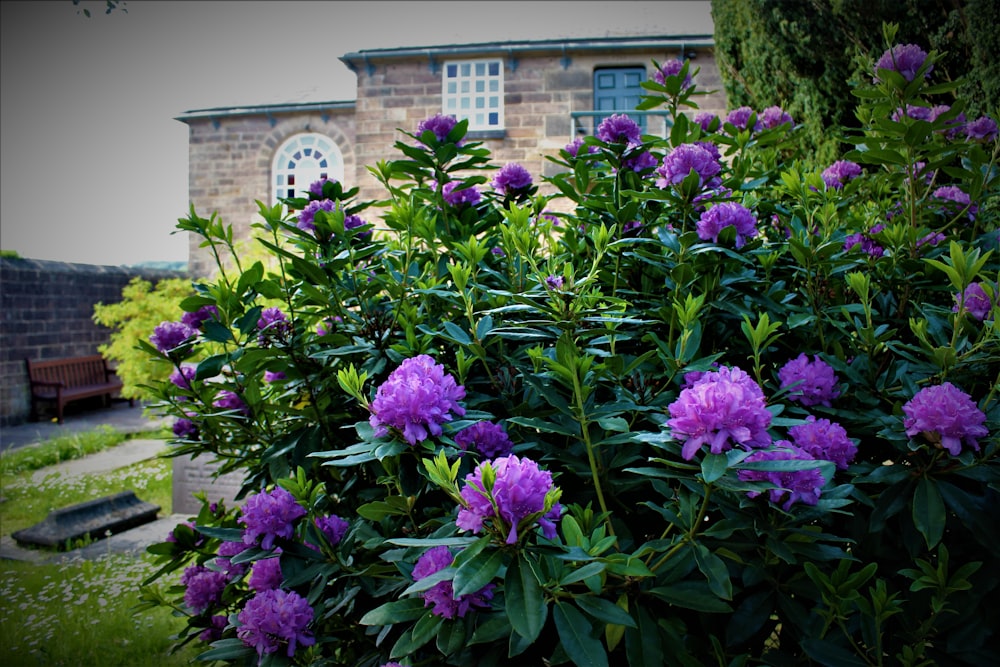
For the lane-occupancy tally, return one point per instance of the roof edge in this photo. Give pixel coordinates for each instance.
(565, 45)
(264, 109)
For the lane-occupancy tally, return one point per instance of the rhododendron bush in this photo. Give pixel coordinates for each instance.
(703, 405)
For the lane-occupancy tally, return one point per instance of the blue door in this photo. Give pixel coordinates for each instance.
(618, 90)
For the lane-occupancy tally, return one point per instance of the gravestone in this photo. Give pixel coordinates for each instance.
(93, 519)
(193, 475)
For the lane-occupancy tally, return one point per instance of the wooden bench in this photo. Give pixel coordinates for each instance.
(65, 380)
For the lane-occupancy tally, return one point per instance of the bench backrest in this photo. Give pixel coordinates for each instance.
(72, 372)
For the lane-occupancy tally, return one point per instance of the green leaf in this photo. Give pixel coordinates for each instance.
(713, 466)
(642, 643)
(397, 611)
(525, 602)
(928, 512)
(605, 611)
(227, 649)
(575, 634)
(472, 575)
(451, 637)
(829, 654)
(581, 573)
(692, 595)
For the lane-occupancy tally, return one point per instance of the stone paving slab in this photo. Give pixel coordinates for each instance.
(119, 456)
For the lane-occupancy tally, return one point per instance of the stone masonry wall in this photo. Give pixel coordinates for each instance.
(230, 163)
(540, 91)
(46, 311)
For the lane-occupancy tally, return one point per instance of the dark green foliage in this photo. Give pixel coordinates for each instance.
(804, 56)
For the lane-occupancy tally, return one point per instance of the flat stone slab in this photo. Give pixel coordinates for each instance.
(94, 519)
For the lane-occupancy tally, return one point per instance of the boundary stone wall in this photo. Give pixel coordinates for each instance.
(46, 312)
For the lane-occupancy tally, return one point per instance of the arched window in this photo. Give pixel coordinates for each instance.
(303, 159)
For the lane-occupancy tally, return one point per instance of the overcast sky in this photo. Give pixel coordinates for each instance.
(94, 166)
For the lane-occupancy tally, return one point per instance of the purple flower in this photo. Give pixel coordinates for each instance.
(705, 120)
(727, 214)
(203, 587)
(185, 429)
(684, 159)
(200, 316)
(487, 438)
(671, 68)
(619, 129)
(274, 376)
(316, 187)
(273, 325)
(332, 527)
(809, 382)
(864, 242)
(573, 148)
(954, 201)
(456, 194)
(975, 301)
(441, 596)
(913, 111)
(214, 631)
(182, 377)
(740, 118)
(794, 485)
(224, 560)
(273, 617)
(511, 180)
(554, 282)
(440, 125)
(227, 400)
(931, 239)
(270, 516)
(905, 59)
(328, 325)
(307, 216)
(352, 221)
(722, 408)
(265, 574)
(416, 398)
(519, 492)
(983, 128)
(169, 335)
(946, 416)
(840, 172)
(826, 440)
(639, 161)
(773, 117)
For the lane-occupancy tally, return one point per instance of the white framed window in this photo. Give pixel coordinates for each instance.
(303, 159)
(473, 89)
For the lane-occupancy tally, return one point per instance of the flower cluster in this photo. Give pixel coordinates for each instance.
(440, 125)
(170, 335)
(775, 116)
(488, 439)
(826, 440)
(273, 326)
(520, 490)
(197, 318)
(182, 377)
(269, 516)
(907, 59)
(266, 574)
(840, 172)
(573, 148)
(722, 408)
(791, 486)
(945, 416)
(727, 214)
(441, 596)
(619, 129)
(457, 194)
(415, 400)
(687, 158)
(672, 68)
(203, 587)
(307, 216)
(975, 301)
(332, 527)
(954, 201)
(512, 180)
(227, 400)
(274, 617)
(809, 382)
(740, 119)
(865, 242)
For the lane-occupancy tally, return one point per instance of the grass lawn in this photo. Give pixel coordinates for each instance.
(80, 612)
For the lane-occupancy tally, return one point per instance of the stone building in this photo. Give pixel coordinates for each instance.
(523, 99)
